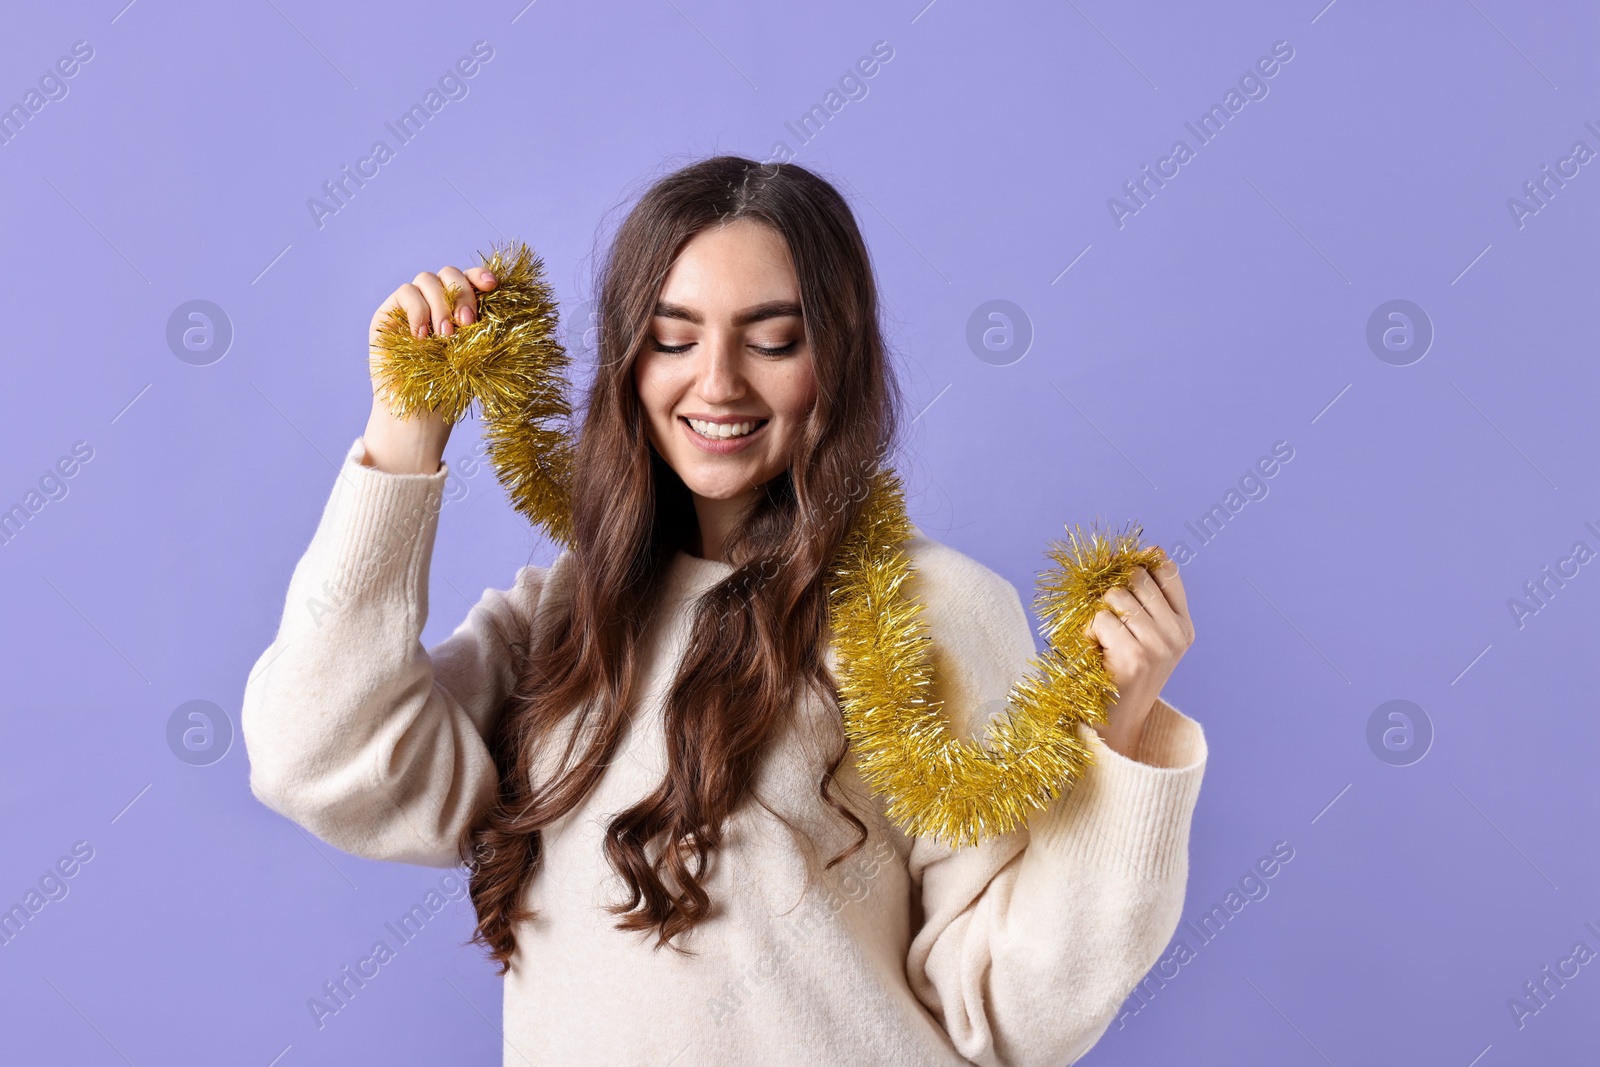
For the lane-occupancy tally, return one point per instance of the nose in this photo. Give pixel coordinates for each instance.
(721, 370)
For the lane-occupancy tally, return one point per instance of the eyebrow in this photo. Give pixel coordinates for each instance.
(773, 309)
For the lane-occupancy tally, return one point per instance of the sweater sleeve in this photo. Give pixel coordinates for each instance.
(1032, 940)
(352, 728)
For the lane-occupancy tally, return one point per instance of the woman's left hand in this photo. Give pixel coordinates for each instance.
(1144, 629)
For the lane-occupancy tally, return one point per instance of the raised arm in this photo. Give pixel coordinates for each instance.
(353, 729)
(1031, 941)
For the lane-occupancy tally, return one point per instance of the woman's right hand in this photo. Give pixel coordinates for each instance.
(415, 445)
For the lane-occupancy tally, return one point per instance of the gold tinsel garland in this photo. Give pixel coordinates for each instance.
(507, 360)
(935, 784)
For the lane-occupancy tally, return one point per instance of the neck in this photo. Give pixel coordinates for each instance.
(716, 520)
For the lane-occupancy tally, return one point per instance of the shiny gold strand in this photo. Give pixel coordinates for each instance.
(937, 785)
(956, 790)
(509, 361)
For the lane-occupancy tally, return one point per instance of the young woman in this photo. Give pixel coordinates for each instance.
(638, 750)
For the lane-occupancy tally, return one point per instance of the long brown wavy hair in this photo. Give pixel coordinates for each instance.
(757, 636)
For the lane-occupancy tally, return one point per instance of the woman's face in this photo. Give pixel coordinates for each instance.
(726, 352)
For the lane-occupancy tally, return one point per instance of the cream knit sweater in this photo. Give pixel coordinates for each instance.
(1016, 952)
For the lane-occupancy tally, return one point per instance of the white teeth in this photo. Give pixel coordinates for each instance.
(727, 429)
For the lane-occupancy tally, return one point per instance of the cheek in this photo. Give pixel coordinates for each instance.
(798, 392)
(648, 388)
(649, 382)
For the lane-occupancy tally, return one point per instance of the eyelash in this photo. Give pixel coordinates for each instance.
(677, 350)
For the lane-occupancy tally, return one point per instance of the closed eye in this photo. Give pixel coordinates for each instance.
(680, 349)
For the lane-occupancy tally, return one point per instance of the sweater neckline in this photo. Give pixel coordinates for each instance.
(696, 574)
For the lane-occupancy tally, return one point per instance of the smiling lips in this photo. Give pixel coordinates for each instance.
(723, 437)
(709, 428)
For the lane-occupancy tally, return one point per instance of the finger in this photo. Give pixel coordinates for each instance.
(481, 277)
(1135, 617)
(1166, 621)
(1171, 584)
(466, 296)
(382, 318)
(438, 303)
(419, 317)
(382, 322)
(1106, 628)
(406, 300)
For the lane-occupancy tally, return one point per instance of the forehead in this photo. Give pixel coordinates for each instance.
(731, 265)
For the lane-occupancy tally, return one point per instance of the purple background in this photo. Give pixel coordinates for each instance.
(1227, 314)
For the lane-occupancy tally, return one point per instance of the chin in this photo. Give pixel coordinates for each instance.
(721, 489)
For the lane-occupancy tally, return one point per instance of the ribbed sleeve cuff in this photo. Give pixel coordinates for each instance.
(1132, 815)
(1171, 739)
(380, 528)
